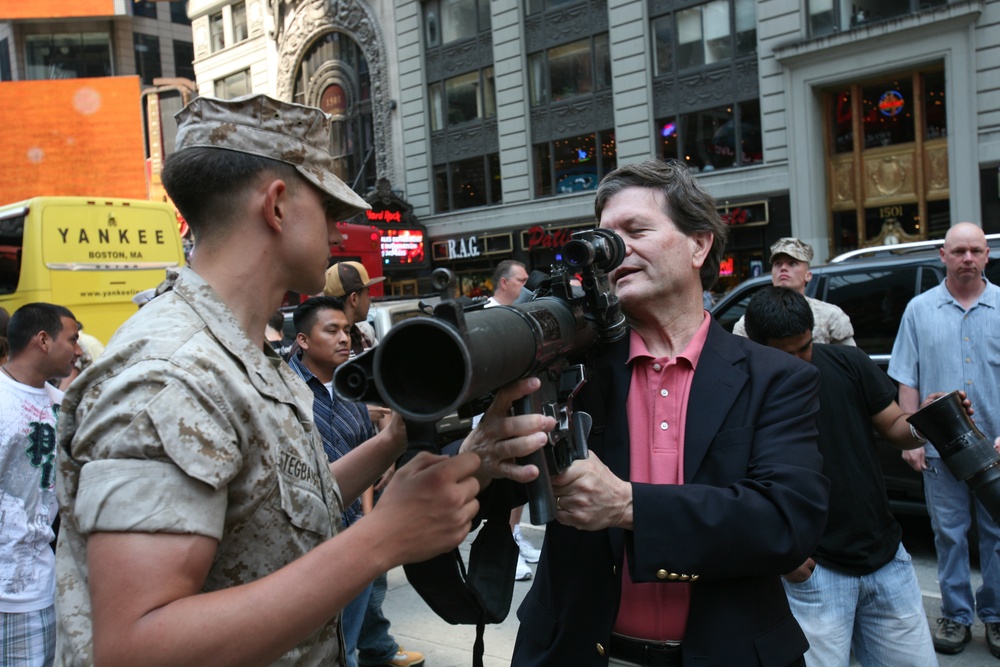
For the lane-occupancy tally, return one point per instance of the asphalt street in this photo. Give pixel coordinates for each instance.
(416, 627)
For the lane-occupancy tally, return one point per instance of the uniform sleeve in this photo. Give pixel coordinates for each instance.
(841, 329)
(156, 465)
(740, 328)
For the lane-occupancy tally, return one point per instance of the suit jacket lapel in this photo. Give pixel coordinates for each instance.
(717, 382)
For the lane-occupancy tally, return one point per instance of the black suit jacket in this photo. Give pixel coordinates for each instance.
(753, 507)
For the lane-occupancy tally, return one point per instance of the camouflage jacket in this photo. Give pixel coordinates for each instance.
(184, 426)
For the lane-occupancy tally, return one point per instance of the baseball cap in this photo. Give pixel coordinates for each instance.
(793, 248)
(345, 277)
(260, 125)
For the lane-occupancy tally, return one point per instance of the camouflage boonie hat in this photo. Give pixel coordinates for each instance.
(260, 125)
(793, 248)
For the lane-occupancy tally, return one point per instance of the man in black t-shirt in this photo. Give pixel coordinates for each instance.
(859, 591)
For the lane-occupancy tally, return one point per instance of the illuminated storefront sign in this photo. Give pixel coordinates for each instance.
(750, 214)
(402, 247)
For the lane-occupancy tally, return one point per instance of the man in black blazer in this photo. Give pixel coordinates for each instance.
(703, 485)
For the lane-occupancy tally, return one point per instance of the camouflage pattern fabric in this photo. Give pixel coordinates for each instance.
(184, 426)
(830, 324)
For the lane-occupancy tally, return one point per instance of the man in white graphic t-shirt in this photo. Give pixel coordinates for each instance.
(44, 345)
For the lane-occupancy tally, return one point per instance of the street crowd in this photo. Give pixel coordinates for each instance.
(198, 493)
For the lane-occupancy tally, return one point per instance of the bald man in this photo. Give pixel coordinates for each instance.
(947, 341)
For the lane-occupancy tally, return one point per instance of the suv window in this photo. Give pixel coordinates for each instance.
(875, 301)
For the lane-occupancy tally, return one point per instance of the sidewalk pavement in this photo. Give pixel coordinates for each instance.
(417, 628)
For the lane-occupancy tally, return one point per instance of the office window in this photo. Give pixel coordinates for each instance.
(536, 6)
(468, 183)
(233, 85)
(704, 34)
(144, 8)
(710, 139)
(5, 70)
(184, 59)
(147, 57)
(470, 96)
(575, 164)
(216, 32)
(569, 70)
(68, 55)
(451, 20)
(178, 13)
(240, 30)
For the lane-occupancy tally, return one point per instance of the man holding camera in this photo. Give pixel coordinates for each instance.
(703, 482)
(947, 341)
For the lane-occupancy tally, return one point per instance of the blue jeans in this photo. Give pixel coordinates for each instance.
(880, 616)
(948, 502)
(375, 645)
(350, 624)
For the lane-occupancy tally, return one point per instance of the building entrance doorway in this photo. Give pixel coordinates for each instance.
(887, 160)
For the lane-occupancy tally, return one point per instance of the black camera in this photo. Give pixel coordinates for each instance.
(968, 453)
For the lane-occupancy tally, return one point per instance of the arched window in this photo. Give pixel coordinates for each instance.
(333, 75)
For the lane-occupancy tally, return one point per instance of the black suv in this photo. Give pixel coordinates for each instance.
(872, 286)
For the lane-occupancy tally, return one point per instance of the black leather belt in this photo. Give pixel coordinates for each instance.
(648, 654)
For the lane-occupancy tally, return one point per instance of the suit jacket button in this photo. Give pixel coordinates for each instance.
(673, 576)
(600, 649)
(661, 574)
(694, 577)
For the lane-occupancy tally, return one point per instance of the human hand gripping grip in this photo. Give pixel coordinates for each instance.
(425, 368)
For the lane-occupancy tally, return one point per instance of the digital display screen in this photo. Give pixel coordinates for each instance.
(403, 247)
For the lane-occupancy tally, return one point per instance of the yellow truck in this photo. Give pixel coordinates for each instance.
(89, 254)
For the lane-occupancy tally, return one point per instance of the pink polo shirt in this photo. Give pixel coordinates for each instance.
(657, 406)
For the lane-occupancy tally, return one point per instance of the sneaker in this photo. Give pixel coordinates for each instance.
(993, 638)
(528, 552)
(403, 659)
(951, 636)
(523, 572)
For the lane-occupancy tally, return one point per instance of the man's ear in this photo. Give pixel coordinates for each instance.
(44, 340)
(275, 203)
(302, 340)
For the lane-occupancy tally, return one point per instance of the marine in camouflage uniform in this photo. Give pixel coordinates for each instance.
(199, 516)
(184, 426)
(790, 259)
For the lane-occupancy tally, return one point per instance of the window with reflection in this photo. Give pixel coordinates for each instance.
(829, 16)
(574, 164)
(467, 183)
(144, 8)
(704, 34)
(935, 110)
(887, 110)
(148, 64)
(463, 98)
(339, 63)
(216, 32)
(233, 85)
(240, 29)
(447, 21)
(68, 55)
(569, 70)
(538, 6)
(717, 138)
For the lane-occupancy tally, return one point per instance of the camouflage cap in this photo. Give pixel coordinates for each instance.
(793, 248)
(260, 125)
(345, 277)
